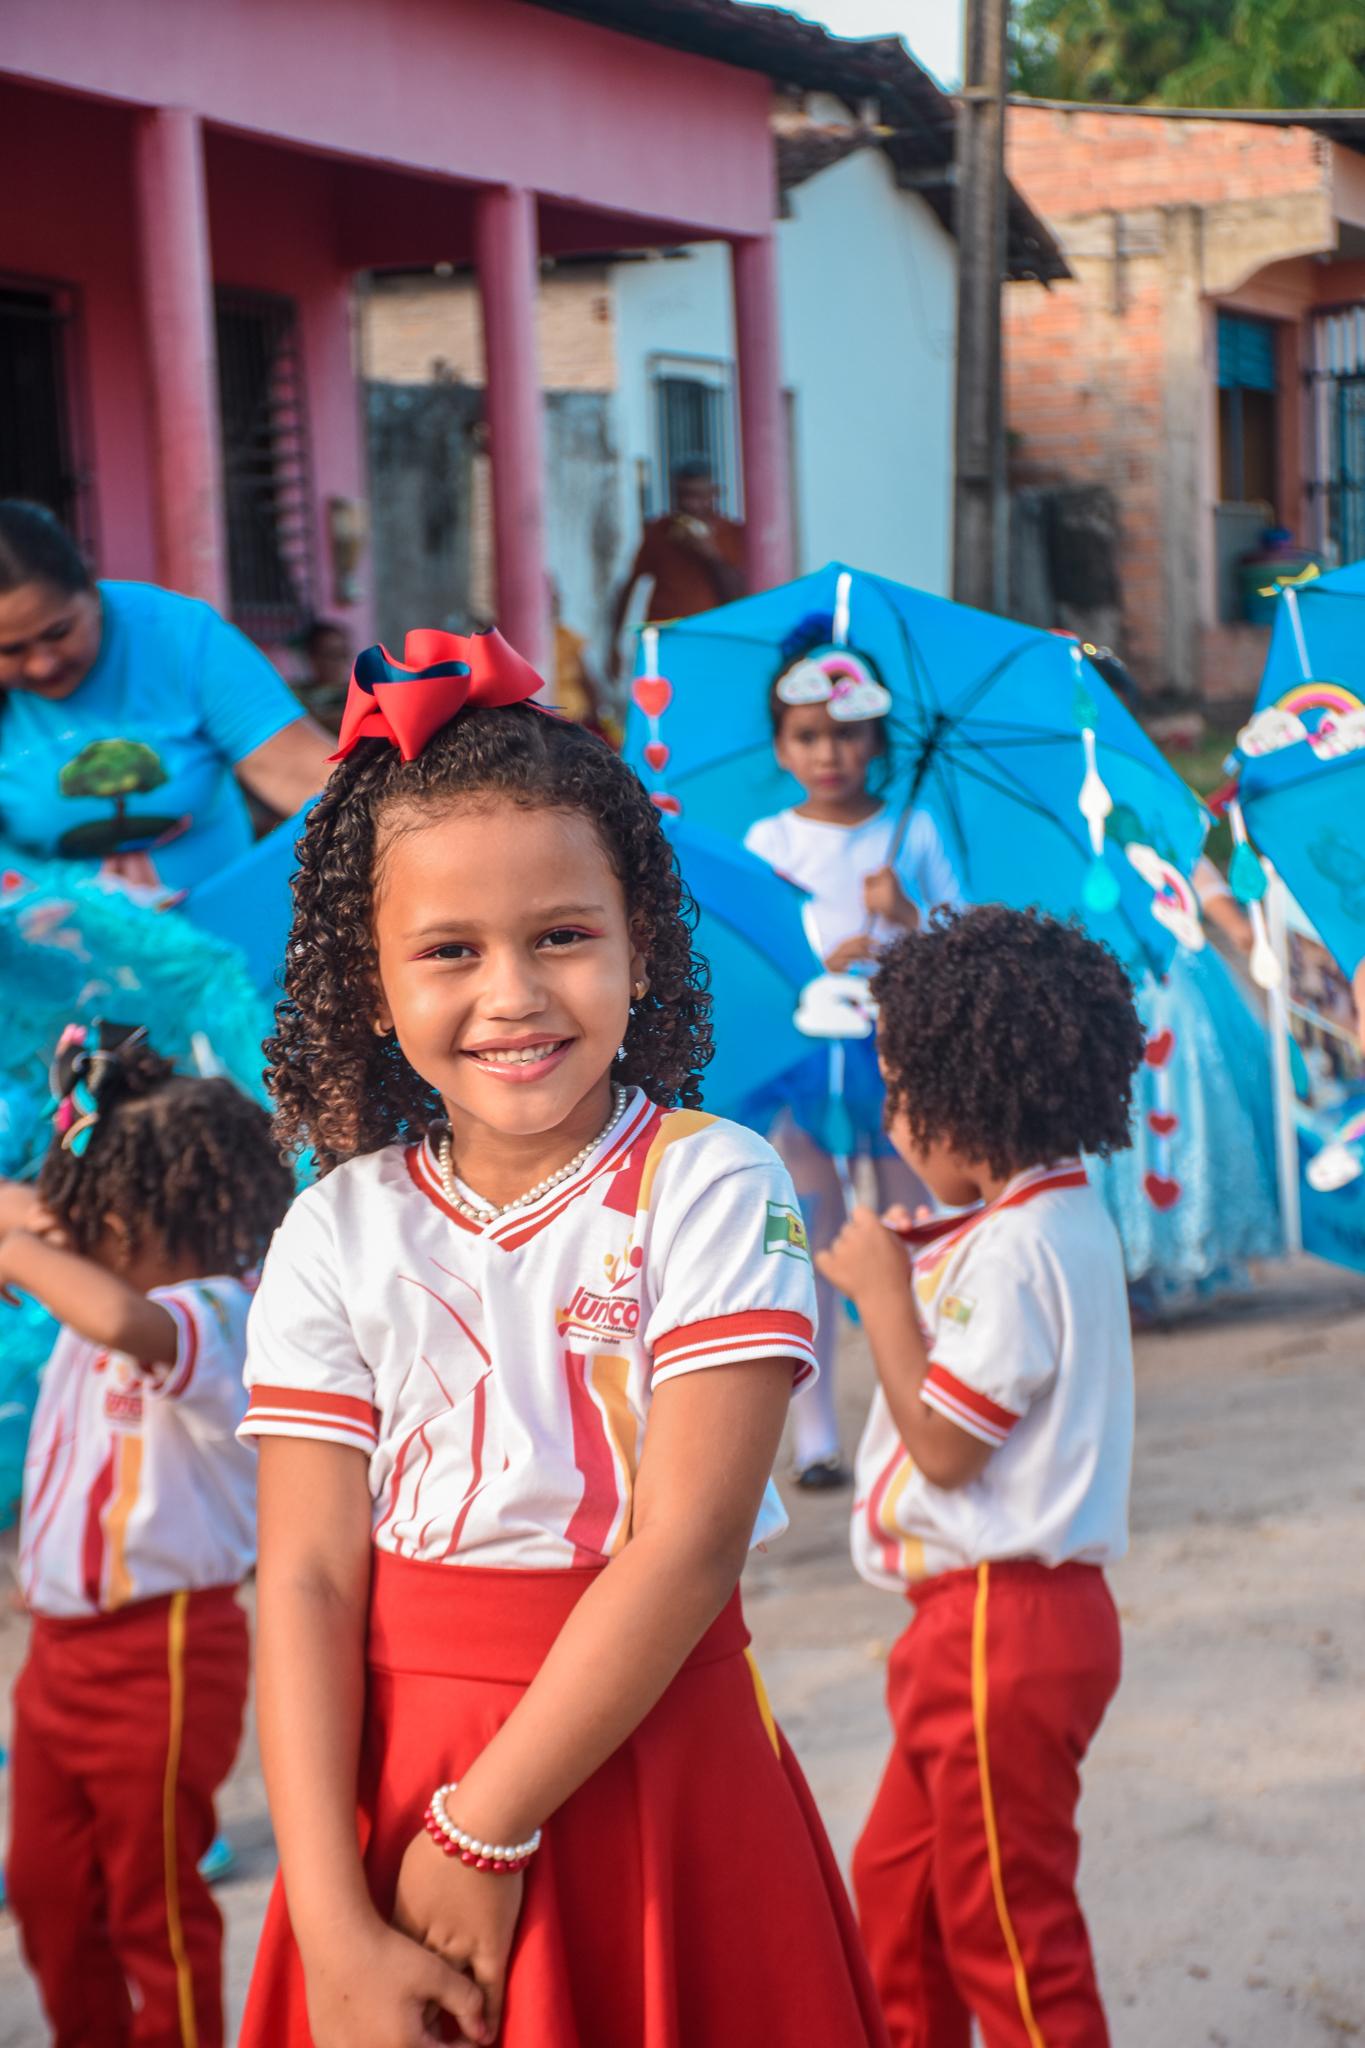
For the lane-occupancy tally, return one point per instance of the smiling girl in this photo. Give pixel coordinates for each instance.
(519, 1368)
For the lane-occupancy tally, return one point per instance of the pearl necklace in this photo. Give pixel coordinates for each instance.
(489, 1212)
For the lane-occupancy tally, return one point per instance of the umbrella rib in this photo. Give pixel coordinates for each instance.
(988, 682)
(909, 646)
(1056, 739)
(968, 768)
(954, 814)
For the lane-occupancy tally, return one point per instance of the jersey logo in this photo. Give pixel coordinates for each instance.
(784, 1232)
(958, 1308)
(616, 1314)
(123, 1406)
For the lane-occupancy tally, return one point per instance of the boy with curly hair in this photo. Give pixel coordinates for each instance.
(992, 1483)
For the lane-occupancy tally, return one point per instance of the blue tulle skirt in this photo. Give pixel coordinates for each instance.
(71, 951)
(1195, 1197)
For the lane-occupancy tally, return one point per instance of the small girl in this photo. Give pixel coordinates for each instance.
(993, 1473)
(155, 1202)
(519, 1367)
(839, 844)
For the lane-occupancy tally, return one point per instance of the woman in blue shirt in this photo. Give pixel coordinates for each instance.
(128, 715)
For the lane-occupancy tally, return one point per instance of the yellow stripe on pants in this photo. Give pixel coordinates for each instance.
(983, 1764)
(175, 1662)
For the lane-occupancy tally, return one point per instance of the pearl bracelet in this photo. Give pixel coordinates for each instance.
(499, 1858)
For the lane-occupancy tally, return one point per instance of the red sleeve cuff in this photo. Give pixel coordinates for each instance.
(730, 1340)
(976, 1413)
(301, 1411)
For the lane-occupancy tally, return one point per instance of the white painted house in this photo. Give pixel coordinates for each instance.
(868, 284)
(637, 361)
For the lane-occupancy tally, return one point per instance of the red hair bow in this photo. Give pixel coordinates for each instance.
(405, 702)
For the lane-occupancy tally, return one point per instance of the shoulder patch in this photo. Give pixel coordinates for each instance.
(784, 1232)
(957, 1308)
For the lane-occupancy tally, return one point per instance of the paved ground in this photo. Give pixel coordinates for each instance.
(1225, 1807)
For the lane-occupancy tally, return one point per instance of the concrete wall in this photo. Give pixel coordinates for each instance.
(418, 329)
(73, 161)
(505, 94)
(428, 482)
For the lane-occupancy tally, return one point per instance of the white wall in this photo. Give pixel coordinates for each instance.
(868, 282)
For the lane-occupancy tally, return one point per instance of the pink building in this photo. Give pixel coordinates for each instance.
(193, 185)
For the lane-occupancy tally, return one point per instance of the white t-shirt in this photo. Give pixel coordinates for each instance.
(1025, 1317)
(134, 1482)
(498, 1377)
(831, 863)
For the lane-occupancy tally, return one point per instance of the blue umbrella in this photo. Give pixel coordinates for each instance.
(248, 903)
(1302, 757)
(988, 726)
(749, 930)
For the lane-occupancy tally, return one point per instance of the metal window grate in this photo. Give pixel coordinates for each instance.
(1336, 482)
(267, 467)
(693, 422)
(37, 458)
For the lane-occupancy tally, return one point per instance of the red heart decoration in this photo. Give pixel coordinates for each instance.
(653, 694)
(1162, 1122)
(663, 802)
(656, 753)
(1162, 1192)
(1159, 1049)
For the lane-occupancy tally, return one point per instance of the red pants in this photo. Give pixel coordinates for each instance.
(125, 1725)
(966, 1871)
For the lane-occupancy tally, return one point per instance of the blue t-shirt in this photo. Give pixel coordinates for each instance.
(139, 759)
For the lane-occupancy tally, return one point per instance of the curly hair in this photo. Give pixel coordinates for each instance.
(188, 1162)
(1009, 1036)
(342, 1090)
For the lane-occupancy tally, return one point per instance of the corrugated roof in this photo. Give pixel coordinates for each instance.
(917, 119)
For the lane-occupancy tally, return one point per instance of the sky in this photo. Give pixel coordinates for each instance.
(932, 28)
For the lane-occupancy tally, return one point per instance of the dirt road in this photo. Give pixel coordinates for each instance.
(1225, 1807)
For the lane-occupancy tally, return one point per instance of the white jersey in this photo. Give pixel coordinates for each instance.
(1025, 1318)
(498, 1377)
(831, 863)
(134, 1482)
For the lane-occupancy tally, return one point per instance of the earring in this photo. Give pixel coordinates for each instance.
(381, 1030)
(620, 1052)
(641, 991)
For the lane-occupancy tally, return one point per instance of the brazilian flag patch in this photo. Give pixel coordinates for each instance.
(784, 1232)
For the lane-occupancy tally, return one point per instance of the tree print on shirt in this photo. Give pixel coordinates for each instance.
(114, 769)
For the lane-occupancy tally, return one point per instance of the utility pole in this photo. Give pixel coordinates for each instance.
(979, 509)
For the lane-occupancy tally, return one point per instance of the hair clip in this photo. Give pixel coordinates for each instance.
(840, 679)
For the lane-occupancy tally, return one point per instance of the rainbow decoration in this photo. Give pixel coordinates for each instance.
(1315, 695)
(1340, 1161)
(1174, 902)
(1353, 1130)
(839, 679)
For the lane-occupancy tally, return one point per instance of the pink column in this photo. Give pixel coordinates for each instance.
(762, 415)
(506, 254)
(177, 300)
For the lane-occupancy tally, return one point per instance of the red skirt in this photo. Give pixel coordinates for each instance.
(685, 1894)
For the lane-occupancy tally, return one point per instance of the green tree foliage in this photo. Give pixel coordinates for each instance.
(1192, 53)
(112, 768)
